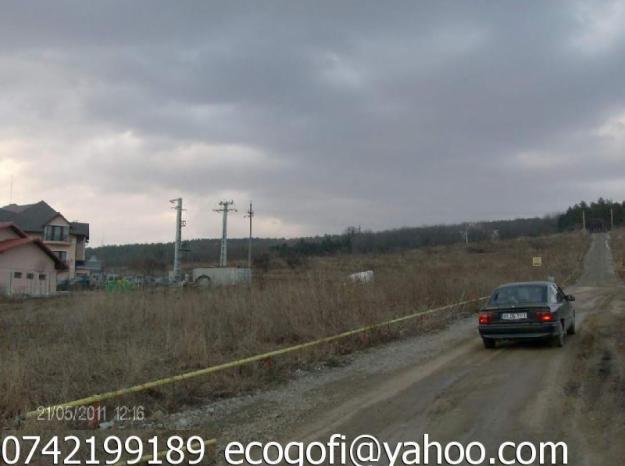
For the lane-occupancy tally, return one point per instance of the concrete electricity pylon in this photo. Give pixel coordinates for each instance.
(611, 218)
(179, 224)
(250, 215)
(465, 233)
(225, 208)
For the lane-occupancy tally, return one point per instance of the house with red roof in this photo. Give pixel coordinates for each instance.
(67, 239)
(27, 265)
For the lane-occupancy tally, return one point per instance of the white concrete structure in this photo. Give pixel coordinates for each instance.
(220, 276)
(362, 277)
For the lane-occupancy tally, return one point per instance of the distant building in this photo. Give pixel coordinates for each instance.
(94, 270)
(597, 225)
(27, 265)
(66, 239)
(93, 265)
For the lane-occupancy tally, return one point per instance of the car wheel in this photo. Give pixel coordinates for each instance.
(558, 340)
(571, 330)
(489, 343)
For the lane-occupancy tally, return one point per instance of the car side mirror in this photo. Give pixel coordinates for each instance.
(570, 297)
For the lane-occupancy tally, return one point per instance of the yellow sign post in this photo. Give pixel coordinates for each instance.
(537, 261)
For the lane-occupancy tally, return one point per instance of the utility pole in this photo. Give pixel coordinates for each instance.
(611, 218)
(11, 191)
(465, 233)
(225, 208)
(179, 224)
(250, 215)
(584, 221)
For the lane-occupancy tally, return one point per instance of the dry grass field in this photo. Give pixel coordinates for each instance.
(68, 347)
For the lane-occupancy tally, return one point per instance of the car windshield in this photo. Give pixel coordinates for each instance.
(516, 294)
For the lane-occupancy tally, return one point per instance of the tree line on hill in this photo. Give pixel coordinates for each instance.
(599, 215)
(156, 258)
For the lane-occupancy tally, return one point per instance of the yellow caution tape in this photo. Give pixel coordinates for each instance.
(161, 454)
(239, 362)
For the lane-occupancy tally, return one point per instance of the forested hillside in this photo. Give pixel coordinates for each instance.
(157, 257)
(598, 215)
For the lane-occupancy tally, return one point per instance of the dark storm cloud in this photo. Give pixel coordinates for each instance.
(326, 113)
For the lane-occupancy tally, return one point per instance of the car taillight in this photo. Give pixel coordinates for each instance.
(544, 315)
(486, 317)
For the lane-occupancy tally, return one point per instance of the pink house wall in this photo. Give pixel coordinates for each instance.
(7, 233)
(27, 259)
(75, 249)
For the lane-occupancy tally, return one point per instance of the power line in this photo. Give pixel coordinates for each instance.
(225, 209)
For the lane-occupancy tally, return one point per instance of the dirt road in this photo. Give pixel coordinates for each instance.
(447, 385)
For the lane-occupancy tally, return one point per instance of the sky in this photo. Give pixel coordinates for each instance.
(325, 114)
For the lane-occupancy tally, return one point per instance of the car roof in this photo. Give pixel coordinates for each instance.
(537, 282)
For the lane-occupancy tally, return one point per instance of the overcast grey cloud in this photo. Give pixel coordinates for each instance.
(326, 114)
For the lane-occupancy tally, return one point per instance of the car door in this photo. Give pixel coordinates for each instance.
(565, 306)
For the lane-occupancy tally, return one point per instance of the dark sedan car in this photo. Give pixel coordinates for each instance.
(527, 310)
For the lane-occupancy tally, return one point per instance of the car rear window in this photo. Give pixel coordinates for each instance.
(517, 294)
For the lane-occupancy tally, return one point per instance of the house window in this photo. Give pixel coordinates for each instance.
(17, 274)
(42, 276)
(62, 255)
(56, 233)
(30, 276)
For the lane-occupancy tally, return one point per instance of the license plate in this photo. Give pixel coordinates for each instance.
(514, 315)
